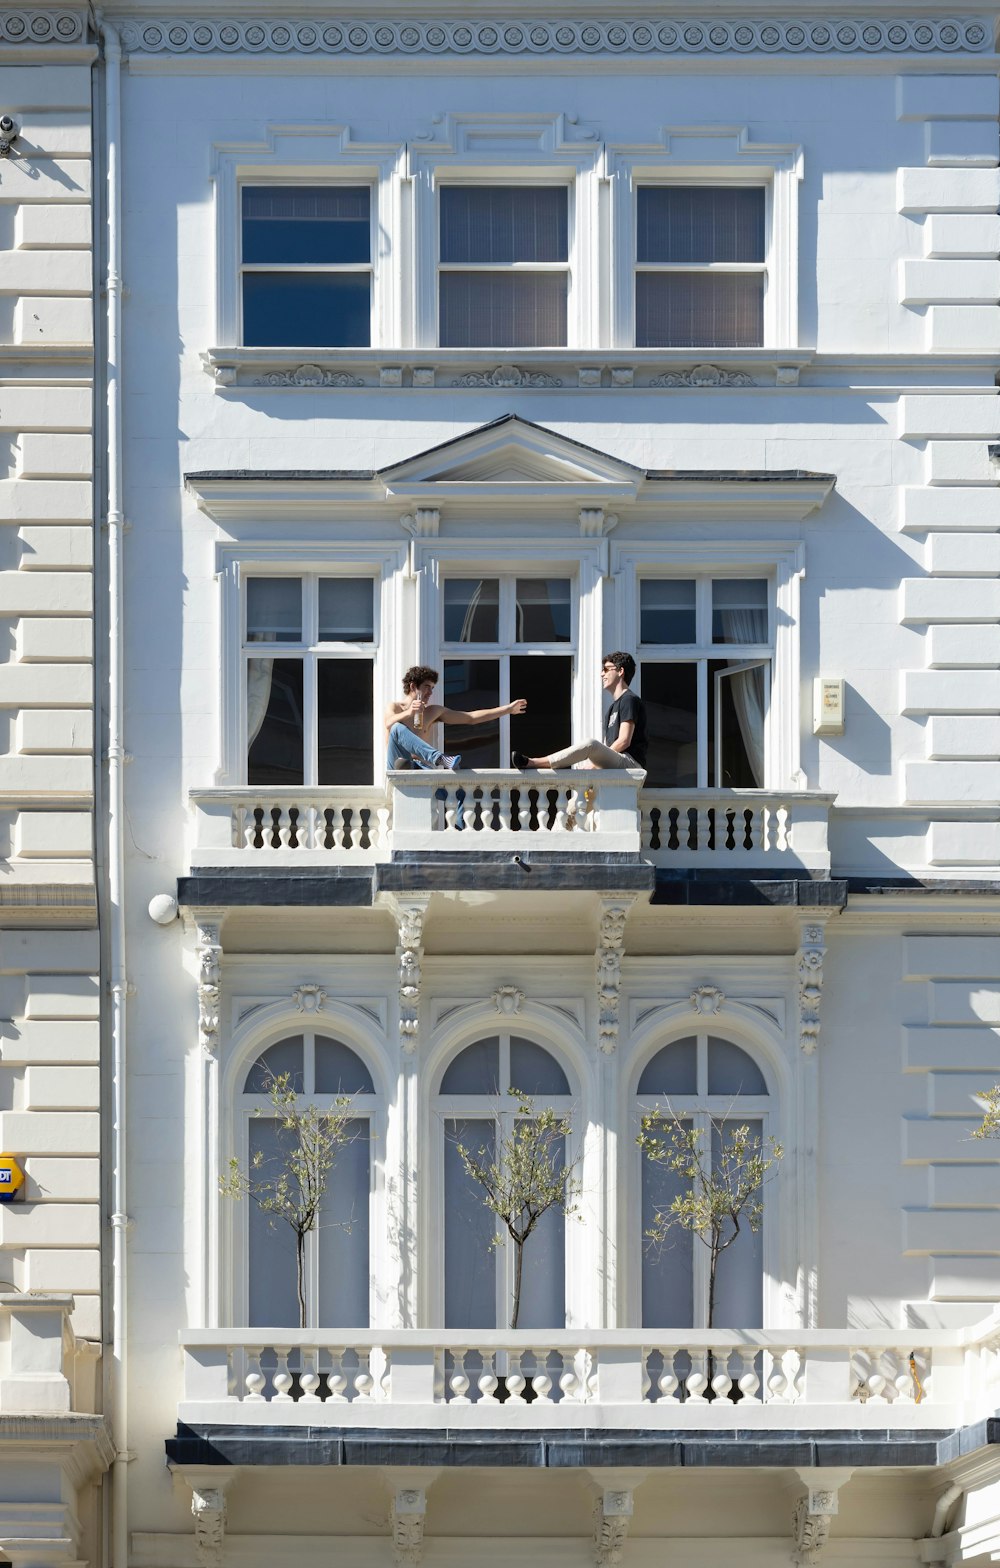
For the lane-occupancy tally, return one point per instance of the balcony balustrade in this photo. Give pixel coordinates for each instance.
(570, 812)
(659, 1380)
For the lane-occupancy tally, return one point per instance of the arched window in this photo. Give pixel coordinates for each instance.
(474, 1108)
(706, 1082)
(322, 1071)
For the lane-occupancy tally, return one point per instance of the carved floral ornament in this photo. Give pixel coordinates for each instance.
(309, 998)
(508, 1000)
(706, 1000)
(499, 35)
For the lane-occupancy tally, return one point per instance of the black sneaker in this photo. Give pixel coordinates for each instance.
(519, 760)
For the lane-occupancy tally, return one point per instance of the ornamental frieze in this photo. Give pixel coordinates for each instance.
(508, 37)
(41, 27)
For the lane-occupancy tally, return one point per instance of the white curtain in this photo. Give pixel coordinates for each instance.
(749, 626)
(259, 673)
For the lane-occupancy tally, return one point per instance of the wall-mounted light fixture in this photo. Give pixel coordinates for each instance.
(8, 135)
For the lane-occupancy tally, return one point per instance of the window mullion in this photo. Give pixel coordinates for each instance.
(310, 719)
(702, 723)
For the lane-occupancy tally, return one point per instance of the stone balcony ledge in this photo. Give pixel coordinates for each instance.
(572, 813)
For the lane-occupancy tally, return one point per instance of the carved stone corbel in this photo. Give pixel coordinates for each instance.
(410, 914)
(612, 1517)
(406, 1518)
(809, 963)
(424, 522)
(813, 1513)
(209, 943)
(208, 1505)
(610, 951)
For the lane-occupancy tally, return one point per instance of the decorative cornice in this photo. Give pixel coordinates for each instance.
(507, 36)
(42, 27)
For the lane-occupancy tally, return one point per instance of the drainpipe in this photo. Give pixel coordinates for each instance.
(116, 805)
(942, 1509)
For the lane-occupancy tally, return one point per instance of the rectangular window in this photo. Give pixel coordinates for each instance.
(700, 266)
(503, 266)
(310, 712)
(306, 266)
(706, 649)
(494, 631)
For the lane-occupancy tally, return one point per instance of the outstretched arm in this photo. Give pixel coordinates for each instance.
(481, 715)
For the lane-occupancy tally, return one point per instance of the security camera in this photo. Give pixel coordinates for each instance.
(6, 124)
(8, 135)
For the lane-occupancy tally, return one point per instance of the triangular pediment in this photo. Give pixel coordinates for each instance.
(512, 454)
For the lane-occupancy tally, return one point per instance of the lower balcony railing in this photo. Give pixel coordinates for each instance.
(571, 812)
(722, 1378)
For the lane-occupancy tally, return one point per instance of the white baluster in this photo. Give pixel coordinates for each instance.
(487, 1380)
(722, 1383)
(381, 837)
(337, 828)
(281, 1379)
(776, 1381)
(876, 1380)
(236, 833)
(308, 834)
(704, 829)
(309, 1380)
(336, 1382)
(459, 1381)
(668, 1383)
(647, 1380)
(541, 1381)
(516, 1381)
(255, 1378)
(284, 828)
(748, 1381)
(364, 1383)
(902, 1381)
(559, 822)
(782, 826)
(696, 1381)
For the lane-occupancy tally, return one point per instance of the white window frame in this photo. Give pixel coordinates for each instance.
(235, 563)
(706, 268)
(508, 150)
(784, 564)
(498, 1109)
(582, 562)
(709, 155)
(363, 1107)
(315, 155)
(310, 267)
(702, 652)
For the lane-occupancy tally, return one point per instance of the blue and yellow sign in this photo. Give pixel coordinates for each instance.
(11, 1178)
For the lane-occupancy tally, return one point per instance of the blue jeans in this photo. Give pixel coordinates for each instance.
(409, 750)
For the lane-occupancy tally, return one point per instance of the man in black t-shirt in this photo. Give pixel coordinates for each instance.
(625, 736)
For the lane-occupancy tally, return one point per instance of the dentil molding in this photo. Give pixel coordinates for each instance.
(500, 35)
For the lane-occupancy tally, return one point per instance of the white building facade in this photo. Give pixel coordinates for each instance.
(491, 343)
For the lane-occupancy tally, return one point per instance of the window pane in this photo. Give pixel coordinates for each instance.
(739, 609)
(667, 610)
(344, 699)
(273, 1298)
(471, 684)
(667, 1267)
(307, 310)
(274, 609)
(543, 1277)
(284, 1057)
(739, 1282)
(344, 1233)
(339, 1070)
(699, 309)
(346, 609)
(503, 309)
(674, 1070)
(670, 692)
(742, 696)
(309, 223)
(732, 1071)
(274, 721)
(534, 1070)
(710, 223)
(504, 223)
(471, 609)
(476, 1070)
(469, 1260)
(547, 683)
(542, 609)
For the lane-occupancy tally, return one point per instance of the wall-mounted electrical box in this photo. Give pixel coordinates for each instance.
(828, 706)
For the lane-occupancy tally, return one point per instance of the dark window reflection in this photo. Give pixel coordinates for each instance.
(678, 223)
(667, 610)
(547, 683)
(306, 223)
(471, 609)
(699, 309)
(503, 309)
(504, 223)
(543, 609)
(307, 310)
(470, 684)
(742, 728)
(670, 692)
(274, 721)
(344, 703)
(346, 609)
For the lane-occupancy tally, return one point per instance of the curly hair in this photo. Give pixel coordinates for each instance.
(417, 674)
(623, 662)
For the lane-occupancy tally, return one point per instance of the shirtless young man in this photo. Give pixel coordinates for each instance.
(408, 722)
